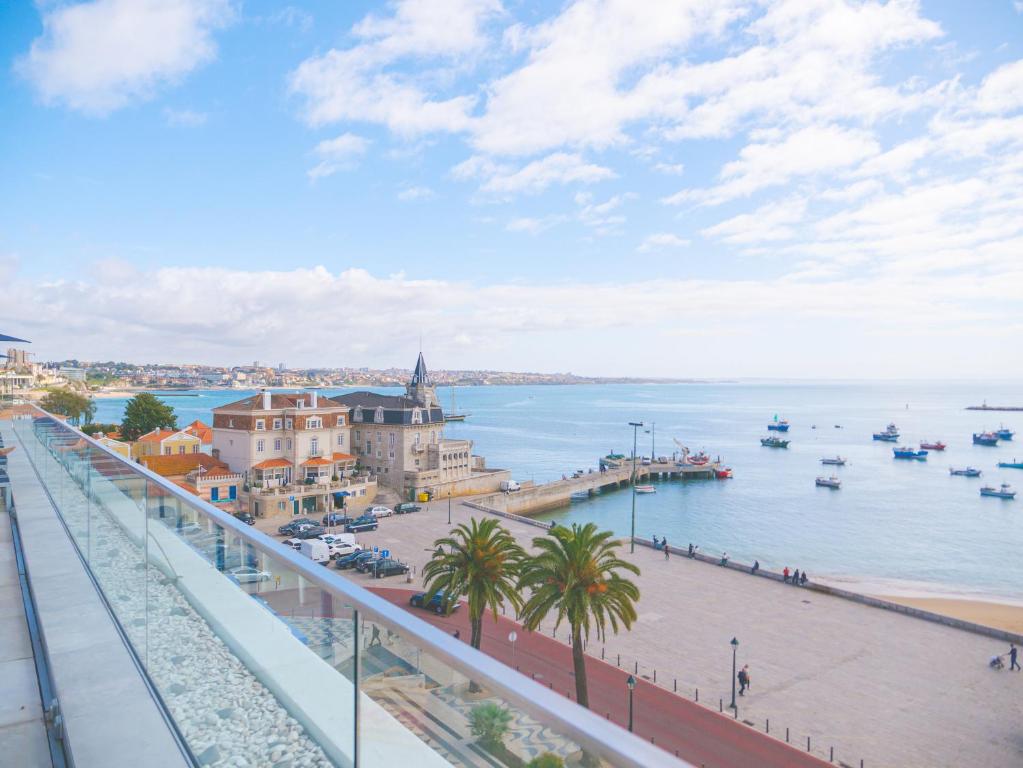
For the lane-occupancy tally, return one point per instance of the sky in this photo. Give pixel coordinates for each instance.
(797, 188)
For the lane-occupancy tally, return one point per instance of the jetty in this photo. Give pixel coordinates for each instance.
(533, 498)
(986, 407)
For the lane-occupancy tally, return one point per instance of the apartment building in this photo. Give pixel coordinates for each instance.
(166, 442)
(294, 451)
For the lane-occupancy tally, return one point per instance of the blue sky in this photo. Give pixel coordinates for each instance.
(816, 188)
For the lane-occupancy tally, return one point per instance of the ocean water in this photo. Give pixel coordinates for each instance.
(894, 524)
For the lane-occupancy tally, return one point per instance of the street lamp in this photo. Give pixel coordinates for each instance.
(735, 647)
(631, 683)
(449, 505)
(635, 427)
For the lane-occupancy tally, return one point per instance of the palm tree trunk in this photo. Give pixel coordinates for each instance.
(579, 663)
(476, 638)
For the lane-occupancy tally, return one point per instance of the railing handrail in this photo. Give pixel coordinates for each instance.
(565, 717)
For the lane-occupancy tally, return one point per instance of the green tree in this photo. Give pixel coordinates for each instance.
(144, 413)
(575, 575)
(480, 561)
(546, 760)
(65, 402)
(94, 427)
(489, 723)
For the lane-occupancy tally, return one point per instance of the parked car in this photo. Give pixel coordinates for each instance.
(247, 575)
(350, 561)
(334, 518)
(510, 486)
(439, 603)
(379, 511)
(289, 528)
(406, 508)
(310, 532)
(361, 524)
(338, 538)
(294, 543)
(341, 549)
(387, 567)
(245, 517)
(316, 550)
(365, 564)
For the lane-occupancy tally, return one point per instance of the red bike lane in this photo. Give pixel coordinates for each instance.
(682, 727)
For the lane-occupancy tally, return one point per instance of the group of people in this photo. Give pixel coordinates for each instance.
(795, 577)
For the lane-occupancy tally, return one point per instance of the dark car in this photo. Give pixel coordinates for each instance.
(439, 603)
(386, 567)
(290, 527)
(334, 518)
(351, 561)
(407, 508)
(245, 517)
(361, 524)
(310, 532)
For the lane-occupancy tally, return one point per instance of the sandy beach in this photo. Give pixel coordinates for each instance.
(998, 615)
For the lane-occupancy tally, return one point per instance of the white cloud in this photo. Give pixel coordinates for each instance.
(337, 154)
(662, 241)
(533, 226)
(670, 169)
(504, 179)
(186, 117)
(1002, 90)
(99, 56)
(770, 222)
(292, 16)
(415, 193)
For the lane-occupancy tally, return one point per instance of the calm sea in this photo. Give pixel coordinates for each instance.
(894, 525)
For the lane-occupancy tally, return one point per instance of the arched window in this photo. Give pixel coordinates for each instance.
(378, 416)
(417, 415)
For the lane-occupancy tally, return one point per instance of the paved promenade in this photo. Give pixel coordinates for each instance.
(888, 689)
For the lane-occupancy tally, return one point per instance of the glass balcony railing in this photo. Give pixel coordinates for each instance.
(262, 657)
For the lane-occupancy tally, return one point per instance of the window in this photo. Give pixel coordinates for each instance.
(369, 447)
(390, 439)
(260, 425)
(167, 451)
(277, 444)
(378, 415)
(340, 440)
(314, 445)
(341, 420)
(417, 462)
(358, 413)
(288, 423)
(230, 423)
(277, 423)
(311, 423)
(417, 439)
(195, 449)
(260, 446)
(417, 416)
(390, 455)
(288, 443)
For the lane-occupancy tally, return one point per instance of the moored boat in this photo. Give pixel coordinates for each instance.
(837, 461)
(985, 438)
(890, 434)
(1010, 464)
(1003, 433)
(774, 442)
(936, 446)
(723, 473)
(778, 426)
(908, 453)
(829, 482)
(699, 459)
(1003, 492)
(645, 489)
(968, 472)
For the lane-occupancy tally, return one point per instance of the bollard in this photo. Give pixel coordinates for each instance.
(736, 713)
(608, 715)
(655, 675)
(807, 743)
(601, 653)
(767, 728)
(551, 685)
(619, 662)
(721, 705)
(651, 739)
(676, 685)
(831, 758)
(637, 669)
(697, 695)
(786, 735)
(534, 675)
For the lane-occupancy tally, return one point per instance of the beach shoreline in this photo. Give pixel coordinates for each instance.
(997, 615)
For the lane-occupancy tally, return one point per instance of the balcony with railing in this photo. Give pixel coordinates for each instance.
(258, 656)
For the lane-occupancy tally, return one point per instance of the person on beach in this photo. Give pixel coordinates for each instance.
(785, 575)
(692, 551)
(1013, 664)
(755, 568)
(802, 578)
(664, 543)
(724, 559)
(795, 577)
(743, 680)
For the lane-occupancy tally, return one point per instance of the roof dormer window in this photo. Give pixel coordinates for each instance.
(378, 415)
(358, 413)
(417, 415)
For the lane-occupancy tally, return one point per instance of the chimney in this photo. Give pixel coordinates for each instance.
(266, 400)
(312, 401)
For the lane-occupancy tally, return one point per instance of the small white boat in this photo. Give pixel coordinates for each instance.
(645, 489)
(829, 482)
(837, 461)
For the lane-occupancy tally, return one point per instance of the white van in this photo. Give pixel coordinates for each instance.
(316, 550)
(508, 486)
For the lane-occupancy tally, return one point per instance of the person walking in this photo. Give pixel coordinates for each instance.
(1013, 664)
(785, 575)
(664, 543)
(375, 638)
(692, 550)
(743, 680)
(724, 559)
(795, 577)
(802, 578)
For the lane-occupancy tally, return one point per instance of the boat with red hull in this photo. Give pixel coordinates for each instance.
(936, 446)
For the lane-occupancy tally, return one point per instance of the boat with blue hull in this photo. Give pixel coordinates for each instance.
(968, 472)
(909, 453)
(1004, 434)
(890, 434)
(1010, 464)
(1003, 492)
(778, 426)
(985, 438)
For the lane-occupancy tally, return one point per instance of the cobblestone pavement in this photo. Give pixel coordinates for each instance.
(889, 689)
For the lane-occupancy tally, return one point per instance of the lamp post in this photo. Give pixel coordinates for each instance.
(631, 683)
(635, 427)
(735, 647)
(449, 505)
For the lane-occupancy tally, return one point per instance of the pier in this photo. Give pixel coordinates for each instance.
(532, 498)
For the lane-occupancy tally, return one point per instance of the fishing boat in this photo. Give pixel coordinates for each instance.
(1010, 464)
(454, 415)
(906, 452)
(829, 482)
(723, 473)
(699, 459)
(985, 438)
(1003, 492)
(968, 472)
(1004, 433)
(890, 434)
(837, 461)
(774, 442)
(645, 489)
(938, 446)
(778, 426)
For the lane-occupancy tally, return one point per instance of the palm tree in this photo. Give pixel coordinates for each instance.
(481, 561)
(575, 574)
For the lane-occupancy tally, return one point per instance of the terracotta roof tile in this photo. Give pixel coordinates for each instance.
(180, 463)
(272, 464)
